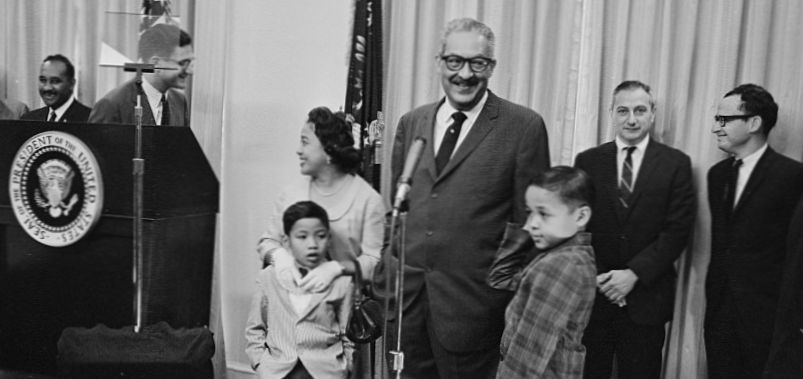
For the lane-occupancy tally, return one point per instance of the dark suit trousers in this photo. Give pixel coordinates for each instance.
(638, 349)
(732, 352)
(426, 358)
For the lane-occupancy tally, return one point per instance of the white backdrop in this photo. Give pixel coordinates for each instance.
(282, 58)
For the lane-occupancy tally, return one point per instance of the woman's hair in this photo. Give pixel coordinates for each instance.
(334, 132)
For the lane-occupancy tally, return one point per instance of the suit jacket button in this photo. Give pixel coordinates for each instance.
(434, 195)
(429, 233)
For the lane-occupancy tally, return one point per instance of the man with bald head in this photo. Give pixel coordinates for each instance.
(481, 153)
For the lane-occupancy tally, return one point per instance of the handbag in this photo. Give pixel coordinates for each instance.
(367, 318)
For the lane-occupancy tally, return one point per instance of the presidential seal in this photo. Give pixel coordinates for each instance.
(56, 188)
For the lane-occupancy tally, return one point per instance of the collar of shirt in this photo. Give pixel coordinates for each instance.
(62, 109)
(443, 119)
(637, 156)
(748, 164)
(154, 100)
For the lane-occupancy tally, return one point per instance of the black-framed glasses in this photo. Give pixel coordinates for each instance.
(476, 64)
(723, 120)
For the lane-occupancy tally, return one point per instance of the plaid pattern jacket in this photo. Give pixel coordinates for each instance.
(544, 322)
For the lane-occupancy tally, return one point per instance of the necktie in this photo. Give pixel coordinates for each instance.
(733, 180)
(626, 182)
(52, 116)
(449, 141)
(165, 111)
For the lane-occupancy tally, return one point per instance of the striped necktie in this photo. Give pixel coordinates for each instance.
(52, 116)
(626, 181)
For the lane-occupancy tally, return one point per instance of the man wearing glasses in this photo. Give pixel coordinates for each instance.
(751, 195)
(481, 152)
(169, 49)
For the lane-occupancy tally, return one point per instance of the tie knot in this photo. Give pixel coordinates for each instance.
(630, 150)
(459, 117)
(737, 163)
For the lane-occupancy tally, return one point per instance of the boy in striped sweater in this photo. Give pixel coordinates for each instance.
(292, 333)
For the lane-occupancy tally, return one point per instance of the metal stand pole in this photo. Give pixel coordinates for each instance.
(138, 172)
(398, 354)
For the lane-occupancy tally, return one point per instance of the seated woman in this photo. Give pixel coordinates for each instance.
(356, 211)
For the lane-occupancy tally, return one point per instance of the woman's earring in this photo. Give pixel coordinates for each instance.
(329, 160)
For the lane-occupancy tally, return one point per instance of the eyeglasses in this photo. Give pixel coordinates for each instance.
(476, 64)
(723, 120)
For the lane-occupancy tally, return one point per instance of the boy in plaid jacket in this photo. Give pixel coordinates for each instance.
(555, 292)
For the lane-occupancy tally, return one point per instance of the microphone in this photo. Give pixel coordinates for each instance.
(404, 185)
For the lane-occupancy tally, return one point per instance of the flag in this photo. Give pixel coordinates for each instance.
(364, 87)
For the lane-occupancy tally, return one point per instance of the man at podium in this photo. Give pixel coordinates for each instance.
(169, 49)
(56, 84)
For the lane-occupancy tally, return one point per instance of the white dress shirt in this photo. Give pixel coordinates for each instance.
(745, 170)
(62, 109)
(443, 119)
(154, 100)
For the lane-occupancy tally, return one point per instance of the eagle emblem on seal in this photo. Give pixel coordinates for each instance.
(55, 181)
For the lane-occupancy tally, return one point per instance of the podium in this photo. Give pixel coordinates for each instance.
(45, 289)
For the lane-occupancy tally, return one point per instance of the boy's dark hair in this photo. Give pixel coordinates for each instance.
(303, 209)
(757, 101)
(334, 132)
(573, 185)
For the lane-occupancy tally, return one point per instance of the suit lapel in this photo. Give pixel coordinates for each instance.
(314, 301)
(426, 129)
(756, 177)
(648, 165)
(68, 113)
(147, 113)
(485, 123)
(610, 179)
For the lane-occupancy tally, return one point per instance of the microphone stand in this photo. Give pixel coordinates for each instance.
(398, 217)
(139, 175)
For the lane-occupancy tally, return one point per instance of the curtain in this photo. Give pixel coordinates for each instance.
(563, 59)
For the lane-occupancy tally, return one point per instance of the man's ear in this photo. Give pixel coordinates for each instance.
(583, 215)
(755, 124)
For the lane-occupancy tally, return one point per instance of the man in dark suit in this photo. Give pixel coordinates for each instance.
(470, 181)
(786, 351)
(169, 49)
(643, 214)
(56, 85)
(752, 195)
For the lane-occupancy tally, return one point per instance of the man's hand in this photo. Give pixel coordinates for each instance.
(319, 278)
(617, 284)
